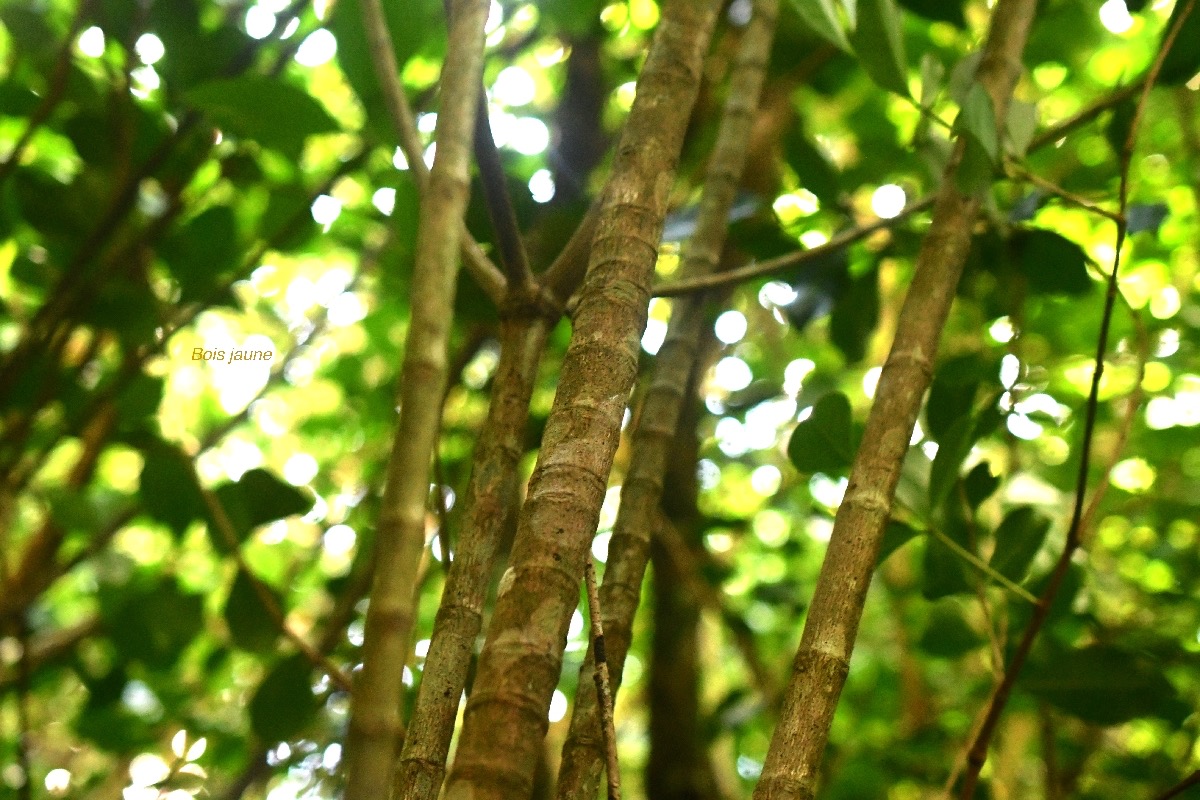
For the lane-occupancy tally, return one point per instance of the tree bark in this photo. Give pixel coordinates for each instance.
(629, 549)
(823, 658)
(506, 716)
(375, 723)
(491, 498)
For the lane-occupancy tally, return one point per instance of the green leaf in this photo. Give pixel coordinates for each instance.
(1021, 126)
(251, 625)
(878, 40)
(979, 120)
(816, 173)
(895, 535)
(980, 484)
(938, 10)
(1018, 540)
(1102, 684)
(945, 569)
(976, 170)
(1183, 59)
(855, 316)
(256, 499)
(416, 26)
(154, 624)
(201, 251)
(1051, 262)
(168, 490)
(823, 442)
(139, 401)
(270, 111)
(283, 702)
(947, 633)
(821, 17)
(953, 448)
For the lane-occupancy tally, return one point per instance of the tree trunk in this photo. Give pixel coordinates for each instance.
(823, 658)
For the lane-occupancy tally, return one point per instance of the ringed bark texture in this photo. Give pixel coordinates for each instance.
(375, 723)
(629, 550)
(491, 497)
(506, 715)
(823, 658)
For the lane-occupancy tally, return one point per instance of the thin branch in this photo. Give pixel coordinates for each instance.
(1181, 787)
(846, 238)
(375, 721)
(655, 430)
(404, 124)
(505, 721)
(789, 261)
(499, 203)
(1066, 195)
(604, 695)
(977, 754)
(822, 661)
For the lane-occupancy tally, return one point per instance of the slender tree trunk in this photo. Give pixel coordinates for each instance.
(823, 659)
(375, 723)
(506, 716)
(491, 499)
(630, 546)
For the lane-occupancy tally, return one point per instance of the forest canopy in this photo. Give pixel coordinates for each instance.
(691, 400)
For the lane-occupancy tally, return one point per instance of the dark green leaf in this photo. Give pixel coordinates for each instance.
(251, 625)
(953, 448)
(1102, 684)
(879, 42)
(1018, 540)
(895, 535)
(823, 442)
(256, 499)
(153, 625)
(855, 316)
(168, 490)
(1183, 59)
(270, 111)
(1051, 262)
(947, 633)
(946, 571)
(815, 172)
(938, 10)
(979, 484)
(283, 702)
(201, 251)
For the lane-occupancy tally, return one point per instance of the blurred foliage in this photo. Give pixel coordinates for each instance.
(184, 182)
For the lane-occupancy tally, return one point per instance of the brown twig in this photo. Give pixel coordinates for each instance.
(604, 695)
(977, 754)
(791, 260)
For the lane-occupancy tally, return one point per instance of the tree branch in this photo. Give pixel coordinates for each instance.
(404, 124)
(641, 493)
(506, 716)
(375, 724)
(823, 659)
